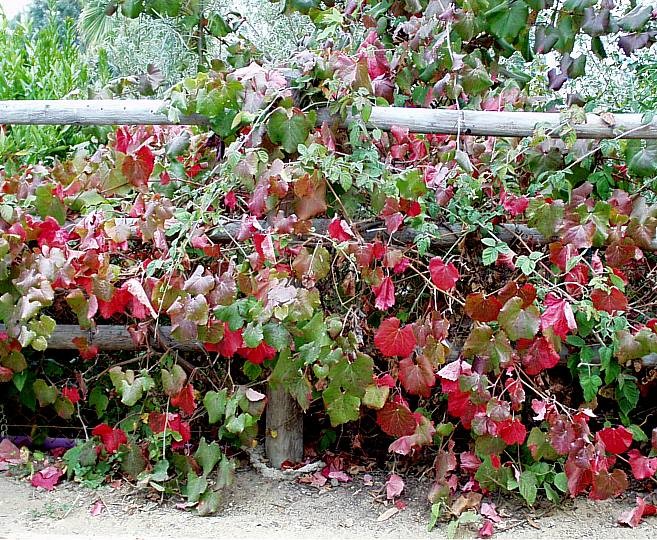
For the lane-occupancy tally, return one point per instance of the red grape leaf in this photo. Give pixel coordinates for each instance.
(642, 466)
(396, 419)
(606, 484)
(512, 431)
(558, 315)
(481, 308)
(579, 235)
(611, 301)
(111, 438)
(118, 303)
(444, 276)
(138, 168)
(578, 478)
(487, 529)
(384, 294)
(339, 230)
(540, 355)
(311, 196)
(228, 346)
(576, 279)
(560, 254)
(616, 440)
(392, 340)
(184, 400)
(259, 354)
(87, 352)
(417, 378)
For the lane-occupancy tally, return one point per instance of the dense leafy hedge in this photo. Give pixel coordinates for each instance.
(515, 361)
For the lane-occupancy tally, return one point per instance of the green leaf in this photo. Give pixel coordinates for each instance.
(45, 393)
(376, 396)
(627, 395)
(196, 485)
(209, 503)
(507, 19)
(590, 382)
(230, 314)
(489, 256)
(207, 456)
(132, 393)
(411, 185)
(545, 217)
(215, 403)
(225, 473)
(528, 487)
(172, 382)
(160, 471)
(353, 376)
(539, 446)
(276, 335)
(98, 400)
(47, 204)
(253, 335)
(133, 462)
(518, 322)
(288, 129)
(341, 406)
(561, 482)
(217, 26)
(551, 494)
(64, 407)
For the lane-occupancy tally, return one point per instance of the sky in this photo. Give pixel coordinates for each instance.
(12, 7)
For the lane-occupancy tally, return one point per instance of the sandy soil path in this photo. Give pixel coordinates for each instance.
(261, 508)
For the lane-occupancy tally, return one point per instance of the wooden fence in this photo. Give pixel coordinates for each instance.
(446, 121)
(284, 418)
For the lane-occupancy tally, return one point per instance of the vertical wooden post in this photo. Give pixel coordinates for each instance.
(284, 438)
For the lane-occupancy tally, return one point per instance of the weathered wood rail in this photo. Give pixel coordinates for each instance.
(445, 121)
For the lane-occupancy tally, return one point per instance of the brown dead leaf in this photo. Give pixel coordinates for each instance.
(465, 502)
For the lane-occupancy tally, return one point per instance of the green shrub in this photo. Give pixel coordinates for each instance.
(43, 64)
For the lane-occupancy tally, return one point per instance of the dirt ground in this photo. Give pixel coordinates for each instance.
(257, 508)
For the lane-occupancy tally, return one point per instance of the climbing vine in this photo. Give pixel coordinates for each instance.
(487, 302)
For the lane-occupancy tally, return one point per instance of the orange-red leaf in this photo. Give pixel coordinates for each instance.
(391, 340)
(481, 308)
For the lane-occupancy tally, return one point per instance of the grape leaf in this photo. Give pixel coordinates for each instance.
(391, 340)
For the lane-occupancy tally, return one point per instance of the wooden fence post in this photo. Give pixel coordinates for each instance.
(284, 437)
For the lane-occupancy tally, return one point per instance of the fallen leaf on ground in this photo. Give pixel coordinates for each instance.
(316, 479)
(488, 510)
(47, 478)
(632, 517)
(10, 454)
(486, 530)
(97, 508)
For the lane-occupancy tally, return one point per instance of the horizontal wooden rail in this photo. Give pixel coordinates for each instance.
(445, 121)
(108, 337)
(91, 112)
(445, 236)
